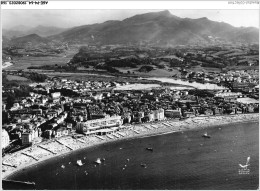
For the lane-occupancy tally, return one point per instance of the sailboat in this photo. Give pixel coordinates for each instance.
(205, 135)
(98, 161)
(79, 162)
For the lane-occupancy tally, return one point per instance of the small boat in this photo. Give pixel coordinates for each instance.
(103, 159)
(86, 172)
(98, 161)
(79, 163)
(143, 165)
(62, 166)
(205, 135)
(128, 160)
(149, 149)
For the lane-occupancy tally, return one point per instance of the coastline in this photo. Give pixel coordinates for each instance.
(132, 132)
(6, 65)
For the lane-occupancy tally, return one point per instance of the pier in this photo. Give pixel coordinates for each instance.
(166, 124)
(64, 145)
(121, 134)
(171, 123)
(17, 185)
(110, 137)
(80, 140)
(26, 154)
(102, 138)
(116, 135)
(47, 149)
(154, 126)
(7, 164)
(147, 127)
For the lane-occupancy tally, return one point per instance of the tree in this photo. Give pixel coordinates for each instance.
(10, 100)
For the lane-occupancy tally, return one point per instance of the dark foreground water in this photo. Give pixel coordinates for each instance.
(178, 161)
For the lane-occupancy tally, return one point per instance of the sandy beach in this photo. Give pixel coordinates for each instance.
(6, 64)
(137, 86)
(48, 149)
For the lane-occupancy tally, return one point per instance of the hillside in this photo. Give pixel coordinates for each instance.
(40, 30)
(33, 39)
(161, 28)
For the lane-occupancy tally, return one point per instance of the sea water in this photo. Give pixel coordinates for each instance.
(182, 160)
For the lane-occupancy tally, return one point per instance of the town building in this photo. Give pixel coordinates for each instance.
(27, 138)
(99, 125)
(172, 113)
(5, 139)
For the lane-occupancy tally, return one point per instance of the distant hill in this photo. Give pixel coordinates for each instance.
(40, 30)
(12, 33)
(45, 30)
(5, 40)
(159, 28)
(32, 39)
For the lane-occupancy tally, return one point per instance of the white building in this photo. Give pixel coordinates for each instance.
(173, 113)
(5, 139)
(159, 114)
(98, 125)
(55, 95)
(27, 138)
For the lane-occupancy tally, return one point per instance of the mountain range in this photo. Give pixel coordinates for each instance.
(155, 28)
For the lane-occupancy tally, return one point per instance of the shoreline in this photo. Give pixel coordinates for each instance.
(130, 132)
(6, 65)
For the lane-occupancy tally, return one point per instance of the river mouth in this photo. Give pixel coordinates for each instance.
(187, 83)
(178, 161)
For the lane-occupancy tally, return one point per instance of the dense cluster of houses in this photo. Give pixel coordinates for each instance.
(50, 112)
(246, 77)
(80, 87)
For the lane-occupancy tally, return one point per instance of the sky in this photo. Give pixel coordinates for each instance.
(71, 18)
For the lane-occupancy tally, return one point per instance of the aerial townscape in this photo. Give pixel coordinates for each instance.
(86, 87)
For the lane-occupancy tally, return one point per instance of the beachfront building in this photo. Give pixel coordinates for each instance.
(189, 114)
(159, 115)
(27, 138)
(151, 116)
(5, 139)
(172, 113)
(99, 126)
(60, 131)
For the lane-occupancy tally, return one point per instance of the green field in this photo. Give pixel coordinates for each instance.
(16, 78)
(22, 63)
